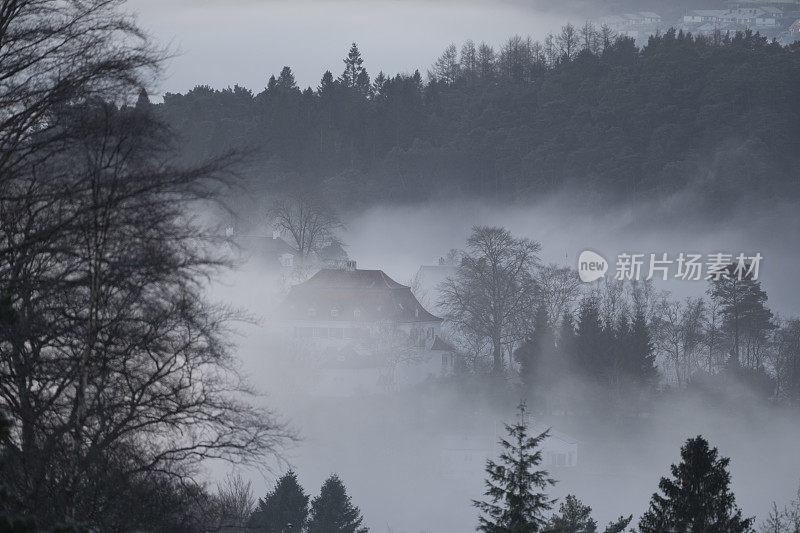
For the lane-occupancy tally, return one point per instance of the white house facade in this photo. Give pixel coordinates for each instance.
(367, 333)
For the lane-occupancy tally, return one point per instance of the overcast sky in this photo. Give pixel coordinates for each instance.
(227, 42)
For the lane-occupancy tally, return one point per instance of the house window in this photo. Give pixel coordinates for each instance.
(321, 333)
(335, 333)
(357, 314)
(334, 312)
(312, 312)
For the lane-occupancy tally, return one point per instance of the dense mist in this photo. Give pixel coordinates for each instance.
(365, 266)
(389, 449)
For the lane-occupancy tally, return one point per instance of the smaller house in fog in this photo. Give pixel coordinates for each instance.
(428, 280)
(278, 256)
(270, 251)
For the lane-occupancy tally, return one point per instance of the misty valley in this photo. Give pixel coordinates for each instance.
(541, 282)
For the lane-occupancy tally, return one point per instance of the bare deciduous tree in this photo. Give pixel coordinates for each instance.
(309, 220)
(234, 501)
(558, 288)
(679, 335)
(116, 369)
(491, 295)
(447, 68)
(568, 42)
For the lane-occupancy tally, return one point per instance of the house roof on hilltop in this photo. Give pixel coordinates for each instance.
(354, 295)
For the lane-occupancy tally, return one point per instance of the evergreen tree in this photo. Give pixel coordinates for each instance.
(143, 100)
(379, 86)
(574, 517)
(286, 81)
(697, 499)
(566, 338)
(641, 361)
(590, 340)
(745, 316)
(353, 69)
(282, 510)
(536, 354)
(514, 486)
(333, 511)
(272, 83)
(326, 84)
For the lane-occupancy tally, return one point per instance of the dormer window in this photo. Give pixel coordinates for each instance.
(357, 314)
(286, 260)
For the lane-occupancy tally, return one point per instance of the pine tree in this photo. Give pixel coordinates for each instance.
(566, 338)
(326, 83)
(143, 100)
(642, 359)
(573, 517)
(745, 316)
(282, 510)
(378, 86)
(590, 340)
(333, 511)
(697, 499)
(536, 354)
(514, 486)
(286, 81)
(352, 68)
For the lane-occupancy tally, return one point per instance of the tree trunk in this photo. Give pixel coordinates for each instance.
(497, 367)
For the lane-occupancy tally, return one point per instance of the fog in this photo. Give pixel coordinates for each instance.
(388, 448)
(203, 286)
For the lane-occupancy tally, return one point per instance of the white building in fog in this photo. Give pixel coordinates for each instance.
(367, 333)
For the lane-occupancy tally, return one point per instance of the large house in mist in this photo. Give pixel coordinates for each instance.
(369, 333)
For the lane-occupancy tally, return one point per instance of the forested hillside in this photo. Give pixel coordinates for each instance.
(719, 117)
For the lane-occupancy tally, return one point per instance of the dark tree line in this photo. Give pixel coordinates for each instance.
(616, 358)
(714, 114)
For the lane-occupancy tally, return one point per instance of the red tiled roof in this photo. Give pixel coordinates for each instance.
(354, 295)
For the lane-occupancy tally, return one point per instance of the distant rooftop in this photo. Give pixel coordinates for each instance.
(349, 295)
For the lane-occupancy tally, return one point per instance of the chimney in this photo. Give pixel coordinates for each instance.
(350, 265)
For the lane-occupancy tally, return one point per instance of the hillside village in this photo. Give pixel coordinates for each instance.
(775, 20)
